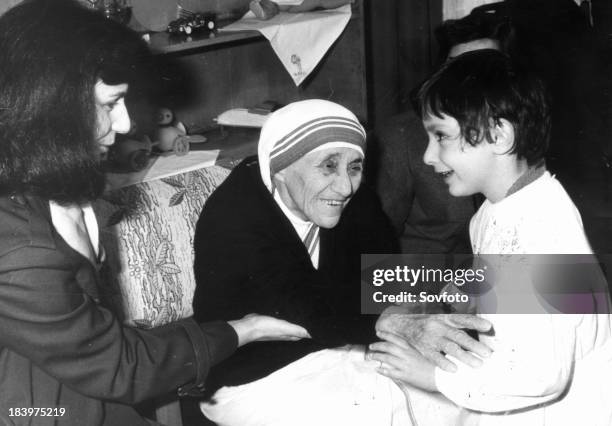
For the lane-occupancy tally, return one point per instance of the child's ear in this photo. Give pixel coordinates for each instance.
(503, 136)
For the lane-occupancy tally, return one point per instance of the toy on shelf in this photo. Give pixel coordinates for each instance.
(133, 151)
(171, 135)
(192, 23)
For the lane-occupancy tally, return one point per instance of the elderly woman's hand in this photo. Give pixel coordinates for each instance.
(255, 327)
(434, 334)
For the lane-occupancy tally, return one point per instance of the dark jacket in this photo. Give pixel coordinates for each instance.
(59, 348)
(248, 258)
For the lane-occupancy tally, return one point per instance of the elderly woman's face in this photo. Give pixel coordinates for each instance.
(318, 186)
(112, 115)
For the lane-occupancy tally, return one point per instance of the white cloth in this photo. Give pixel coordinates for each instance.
(546, 369)
(331, 387)
(301, 227)
(165, 166)
(300, 40)
(78, 226)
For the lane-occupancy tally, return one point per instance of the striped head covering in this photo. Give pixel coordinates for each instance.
(302, 127)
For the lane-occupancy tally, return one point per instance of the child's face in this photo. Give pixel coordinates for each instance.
(466, 169)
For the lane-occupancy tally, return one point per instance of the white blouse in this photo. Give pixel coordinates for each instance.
(546, 369)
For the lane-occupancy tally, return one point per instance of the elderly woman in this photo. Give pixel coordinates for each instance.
(283, 235)
(64, 357)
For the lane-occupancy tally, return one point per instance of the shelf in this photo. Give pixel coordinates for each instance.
(163, 42)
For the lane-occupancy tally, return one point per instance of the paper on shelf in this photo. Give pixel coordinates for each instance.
(300, 40)
(164, 166)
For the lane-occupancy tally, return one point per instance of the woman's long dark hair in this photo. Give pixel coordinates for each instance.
(52, 53)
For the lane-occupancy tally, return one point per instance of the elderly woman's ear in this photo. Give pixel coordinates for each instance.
(279, 176)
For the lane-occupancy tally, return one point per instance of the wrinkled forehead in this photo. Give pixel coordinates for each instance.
(340, 152)
(311, 164)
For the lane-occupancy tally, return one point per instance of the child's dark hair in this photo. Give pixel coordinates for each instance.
(480, 88)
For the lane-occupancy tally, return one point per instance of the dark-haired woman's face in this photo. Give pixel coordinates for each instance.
(112, 114)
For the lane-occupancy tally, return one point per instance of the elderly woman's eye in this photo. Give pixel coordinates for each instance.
(356, 168)
(329, 165)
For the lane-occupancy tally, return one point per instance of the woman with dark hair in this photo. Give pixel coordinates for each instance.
(64, 75)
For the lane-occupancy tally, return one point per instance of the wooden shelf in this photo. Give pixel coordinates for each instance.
(163, 42)
(202, 76)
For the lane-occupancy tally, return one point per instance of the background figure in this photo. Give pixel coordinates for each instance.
(425, 217)
(555, 39)
(568, 47)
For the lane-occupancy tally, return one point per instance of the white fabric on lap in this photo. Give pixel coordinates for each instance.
(329, 387)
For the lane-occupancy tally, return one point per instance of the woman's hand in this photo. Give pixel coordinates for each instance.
(255, 327)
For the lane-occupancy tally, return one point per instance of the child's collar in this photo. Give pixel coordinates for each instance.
(526, 178)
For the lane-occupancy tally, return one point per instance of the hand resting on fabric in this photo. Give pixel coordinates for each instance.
(434, 334)
(255, 328)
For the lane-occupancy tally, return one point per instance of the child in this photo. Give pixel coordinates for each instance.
(488, 125)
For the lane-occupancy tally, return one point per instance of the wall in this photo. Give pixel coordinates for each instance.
(382, 58)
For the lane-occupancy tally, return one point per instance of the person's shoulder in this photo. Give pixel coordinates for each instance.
(244, 170)
(241, 198)
(550, 222)
(22, 224)
(241, 183)
(551, 197)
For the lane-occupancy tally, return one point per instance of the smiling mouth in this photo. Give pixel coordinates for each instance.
(446, 174)
(334, 203)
